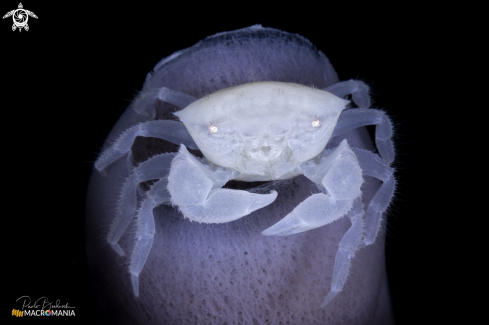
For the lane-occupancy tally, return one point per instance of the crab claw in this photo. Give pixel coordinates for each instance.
(316, 211)
(225, 205)
(196, 190)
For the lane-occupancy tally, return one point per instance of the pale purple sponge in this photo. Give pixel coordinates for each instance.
(229, 273)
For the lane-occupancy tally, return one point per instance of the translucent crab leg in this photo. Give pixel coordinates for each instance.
(349, 244)
(357, 89)
(154, 168)
(354, 118)
(172, 131)
(145, 102)
(157, 195)
(373, 165)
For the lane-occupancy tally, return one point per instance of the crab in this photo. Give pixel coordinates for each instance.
(258, 131)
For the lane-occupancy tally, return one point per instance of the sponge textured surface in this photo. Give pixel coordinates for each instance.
(233, 58)
(230, 273)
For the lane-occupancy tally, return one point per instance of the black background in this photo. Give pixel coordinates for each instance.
(66, 81)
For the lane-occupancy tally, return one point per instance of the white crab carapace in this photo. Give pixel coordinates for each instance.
(263, 130)
(258, 131)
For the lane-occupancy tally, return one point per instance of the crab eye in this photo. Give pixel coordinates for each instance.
(316, 123)
(212, 128)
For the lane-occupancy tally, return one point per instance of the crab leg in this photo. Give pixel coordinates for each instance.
(340, 176)
(373, 165)
(357, 89)
(153, 168)
(145, 102)
(172, 131)
(354, 118)
(146, 230)
(349, 244)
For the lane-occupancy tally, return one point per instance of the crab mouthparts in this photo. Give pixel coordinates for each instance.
(266, 153)
(266, 149)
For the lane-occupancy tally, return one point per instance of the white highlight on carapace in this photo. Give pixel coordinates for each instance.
(212, 128)
(316, 123)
